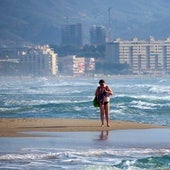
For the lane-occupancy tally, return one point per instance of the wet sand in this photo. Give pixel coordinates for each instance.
(12, 127)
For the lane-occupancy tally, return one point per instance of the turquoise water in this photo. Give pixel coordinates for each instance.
(145, 100)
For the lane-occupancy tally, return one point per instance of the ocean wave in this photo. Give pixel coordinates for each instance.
(113, 158)
(65, 153)
(41, 153)
(134, 100)
(142, 96)
(148, 105)
(160, 90)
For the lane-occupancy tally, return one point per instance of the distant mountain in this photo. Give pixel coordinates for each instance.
(40, 21)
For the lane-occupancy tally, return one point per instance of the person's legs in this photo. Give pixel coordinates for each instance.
(107, 110)
(102, 114)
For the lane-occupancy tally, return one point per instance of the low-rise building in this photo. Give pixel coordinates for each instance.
(73, 65)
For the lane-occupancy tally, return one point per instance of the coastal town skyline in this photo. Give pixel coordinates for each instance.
(89, 34)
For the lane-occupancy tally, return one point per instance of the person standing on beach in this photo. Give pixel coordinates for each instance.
(103, 93)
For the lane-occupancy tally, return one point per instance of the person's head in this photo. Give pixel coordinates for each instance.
(101, 82)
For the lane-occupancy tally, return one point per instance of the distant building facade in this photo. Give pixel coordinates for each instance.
(97, 35)
(39, 61)
(76, 66)
(152, 56)
(72, 35)
(28, 61)
(9, 61)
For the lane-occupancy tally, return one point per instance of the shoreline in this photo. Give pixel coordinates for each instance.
(15, 127)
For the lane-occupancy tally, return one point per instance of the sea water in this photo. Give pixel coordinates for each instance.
(144, 100)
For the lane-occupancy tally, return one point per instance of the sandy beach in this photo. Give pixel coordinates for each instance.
(40, 143)
(12, 127)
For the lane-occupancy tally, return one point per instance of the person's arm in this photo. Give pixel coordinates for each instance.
(97, 92)
(109, 91)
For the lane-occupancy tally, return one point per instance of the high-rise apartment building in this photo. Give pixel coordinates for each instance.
(97, 35)
(72, 35)
(151, 56)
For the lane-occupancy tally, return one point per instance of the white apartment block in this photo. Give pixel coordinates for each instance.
(152, 56)
(53, 58)
(39, 61)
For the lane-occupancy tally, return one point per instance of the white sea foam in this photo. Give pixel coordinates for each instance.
(68, 155)
(143, 105)
(40, 102)
(160, 89)
(146, 96)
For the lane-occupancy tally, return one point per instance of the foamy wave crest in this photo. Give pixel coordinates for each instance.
(147, 96)
(32, 156)
(160, 90)
(133, 152)
(144, 105)
(116, 159)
